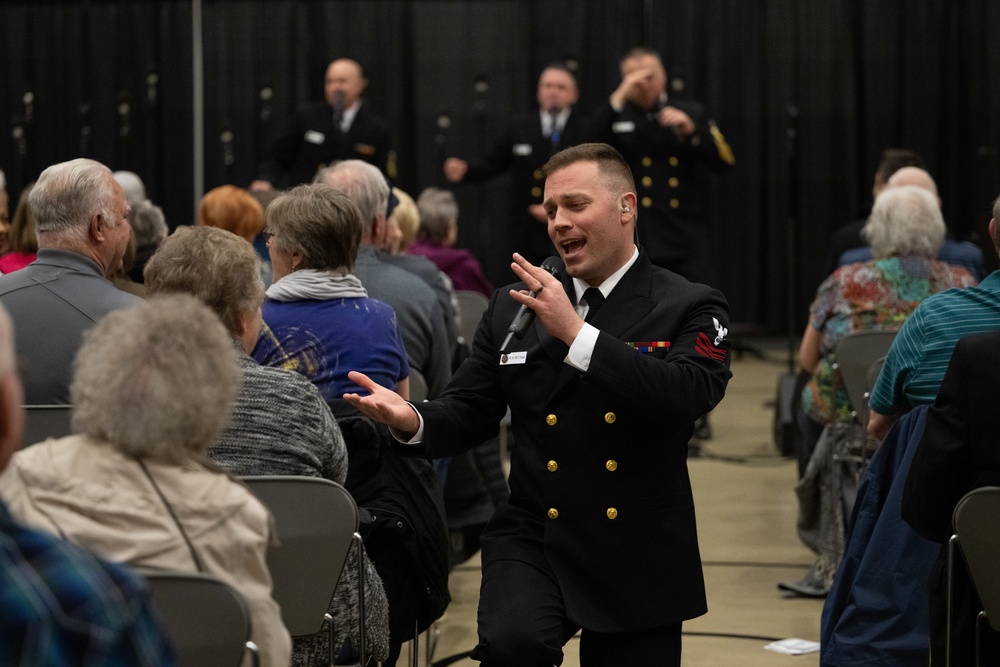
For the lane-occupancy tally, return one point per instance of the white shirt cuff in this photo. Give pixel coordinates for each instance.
(582, 348)
(418, 437)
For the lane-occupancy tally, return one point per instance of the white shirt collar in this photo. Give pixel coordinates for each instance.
(560, 118)
(349, 114)
(612, 281)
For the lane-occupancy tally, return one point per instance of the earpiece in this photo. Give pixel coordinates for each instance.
(626, 208)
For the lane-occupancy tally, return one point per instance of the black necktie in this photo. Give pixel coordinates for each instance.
(594, 299)
(554, 130)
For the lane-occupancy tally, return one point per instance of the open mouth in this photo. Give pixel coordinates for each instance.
(571, 248)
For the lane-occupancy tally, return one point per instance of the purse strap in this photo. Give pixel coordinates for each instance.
(173, 515)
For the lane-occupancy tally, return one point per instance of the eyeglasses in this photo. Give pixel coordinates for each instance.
(267, 234)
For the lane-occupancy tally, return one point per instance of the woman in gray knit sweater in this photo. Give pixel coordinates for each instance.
(280, 424)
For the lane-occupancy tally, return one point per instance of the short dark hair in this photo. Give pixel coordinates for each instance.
(638, 52)
(610, 164)
(894, 159)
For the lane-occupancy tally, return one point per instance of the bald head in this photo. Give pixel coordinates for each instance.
(344, 83)
(914, 176)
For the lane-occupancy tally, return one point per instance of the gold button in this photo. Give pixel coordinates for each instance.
(646, 181)
(536, 191)
(538, 174)
(611, 465)
(612, 513)
(552, 466)
(610, 417)
(551, 420)
(646, 202)
(674, 203)
(553, 513)
(647, 161)
(673, 182)
(673, 162)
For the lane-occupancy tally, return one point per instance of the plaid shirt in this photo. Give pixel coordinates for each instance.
(61, 605)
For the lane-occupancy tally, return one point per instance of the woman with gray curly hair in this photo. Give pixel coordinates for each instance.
(280, 424)
(152, 390)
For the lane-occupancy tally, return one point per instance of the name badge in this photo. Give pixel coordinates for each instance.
(512, 358)
(314, 137)
(623, 127)
(521, 149)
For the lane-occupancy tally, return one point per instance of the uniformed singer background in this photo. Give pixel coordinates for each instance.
(666, 142)
(599, 530)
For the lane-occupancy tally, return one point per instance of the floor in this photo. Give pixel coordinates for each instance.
(746, 516)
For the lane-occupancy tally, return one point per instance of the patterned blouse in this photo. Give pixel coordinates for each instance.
(877, 295)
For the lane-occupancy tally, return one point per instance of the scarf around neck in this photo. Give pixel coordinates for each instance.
(316, 285)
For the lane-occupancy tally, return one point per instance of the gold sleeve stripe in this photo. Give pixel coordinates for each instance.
(725, 152)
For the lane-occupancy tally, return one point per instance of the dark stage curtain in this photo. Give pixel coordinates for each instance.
(112, 81)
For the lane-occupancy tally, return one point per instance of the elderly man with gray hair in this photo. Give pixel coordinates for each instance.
(417, 308)
(83, 232)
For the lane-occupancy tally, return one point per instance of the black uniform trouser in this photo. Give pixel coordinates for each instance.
(522, 623)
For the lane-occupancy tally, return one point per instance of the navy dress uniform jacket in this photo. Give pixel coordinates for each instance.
(599, 482)
(668, 183)
(310, 141)
(524, 150)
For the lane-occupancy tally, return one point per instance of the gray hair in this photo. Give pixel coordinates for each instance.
(438, 211)
(135, 189)
(219, 267)
(156, 380)
(67, 195)
(149, 226)
(363, 184)
(905, 220)
(319, 221)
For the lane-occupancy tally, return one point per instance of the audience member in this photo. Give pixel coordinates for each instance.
(235, 210)
(280, 423)
(152, 390)
(63, 605)
(905, 231)
(339, 128)
(22, 240)
(83, 232)
(919, 354)
(849, 236)
(422, 320)
(530, 139)
(957, 253)
(436, 239)
(134, 188)
(149, 228)
(957, 453)
(407, 219)
(666, 142)
(319, 318)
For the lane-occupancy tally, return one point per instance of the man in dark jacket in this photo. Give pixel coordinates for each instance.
(599, 531)
(340, 128)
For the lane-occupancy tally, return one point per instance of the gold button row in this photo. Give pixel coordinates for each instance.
(553, 513)
(610, 464)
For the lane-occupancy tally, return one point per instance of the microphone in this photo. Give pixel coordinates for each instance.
(525, 315)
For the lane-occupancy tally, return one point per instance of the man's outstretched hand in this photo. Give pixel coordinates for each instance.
(383, 405)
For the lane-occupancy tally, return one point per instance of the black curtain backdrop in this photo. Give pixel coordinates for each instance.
(112, 81)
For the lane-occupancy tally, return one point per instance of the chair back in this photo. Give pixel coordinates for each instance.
(42, 422)
(471, 306)
(418, 386)
(976, 523)
(856, 353)
(315, 520)
(205, 619)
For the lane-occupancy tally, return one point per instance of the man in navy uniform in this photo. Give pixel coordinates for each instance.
(340, 128)
(599, 531)
(665, 142)
(530, 139)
